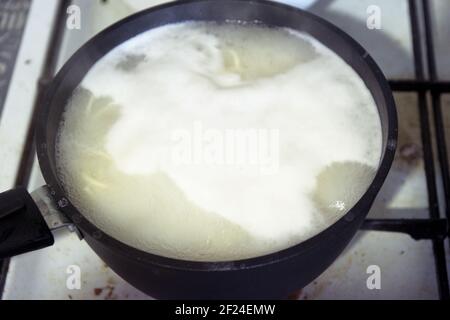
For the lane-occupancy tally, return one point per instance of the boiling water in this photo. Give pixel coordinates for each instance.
(214, 142)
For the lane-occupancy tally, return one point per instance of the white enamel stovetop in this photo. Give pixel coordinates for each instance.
(407, 266)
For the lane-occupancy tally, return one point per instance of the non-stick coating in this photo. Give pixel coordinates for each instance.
(269, 276)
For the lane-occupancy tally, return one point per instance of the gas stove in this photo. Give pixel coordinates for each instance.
(409, 42)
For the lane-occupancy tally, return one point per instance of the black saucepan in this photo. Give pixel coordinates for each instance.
(22, 227)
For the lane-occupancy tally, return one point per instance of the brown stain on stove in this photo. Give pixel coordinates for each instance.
(409, 153)
(408, 167)
(296, 295)
(110, 295)
(108, 291)
(111, 286)
(98, 291)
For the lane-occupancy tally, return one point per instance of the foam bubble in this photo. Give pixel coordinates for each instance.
(315, 125)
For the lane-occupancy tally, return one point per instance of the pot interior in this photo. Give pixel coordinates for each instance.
(266, 13)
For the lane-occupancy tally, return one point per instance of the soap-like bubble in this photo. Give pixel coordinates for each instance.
(212, 142)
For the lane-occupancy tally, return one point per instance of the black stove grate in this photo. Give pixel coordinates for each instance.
(426, 85)
(438, 244)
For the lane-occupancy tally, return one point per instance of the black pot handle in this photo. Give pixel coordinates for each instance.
(22, 226)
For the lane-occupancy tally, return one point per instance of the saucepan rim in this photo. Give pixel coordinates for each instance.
(358, 212)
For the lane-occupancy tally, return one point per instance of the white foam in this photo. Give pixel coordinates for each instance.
(115, 153)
